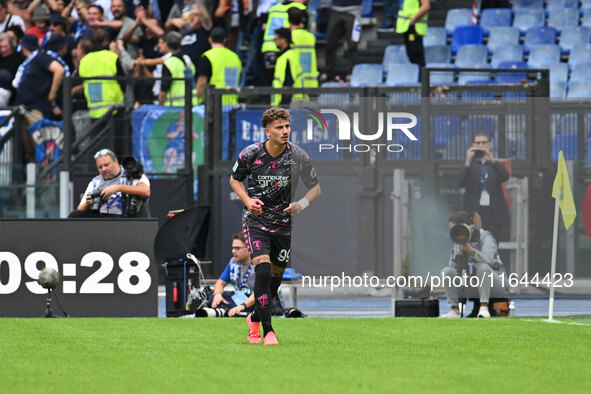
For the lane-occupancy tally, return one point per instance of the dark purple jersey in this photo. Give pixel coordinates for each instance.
(273, 180)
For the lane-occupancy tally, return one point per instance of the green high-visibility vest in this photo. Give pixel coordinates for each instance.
(100, 94)
(226, 68)
(410, 9)
(277, 19)
(302, 65)
(176, 94)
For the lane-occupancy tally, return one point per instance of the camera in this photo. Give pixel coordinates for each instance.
(478, 153)
(97, 200)
(133, 171)
(462, 234)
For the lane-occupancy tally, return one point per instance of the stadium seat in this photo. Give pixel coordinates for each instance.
(464, 35)
(520, 4)
(333, 98)
(571, 36)
(578, 89)
(435, 36)
(441, 77)
(558, 72)
(558, 89)
(494, 17)
(538, 36)
(457, 17)
(511, 77)
(585, 4)
(475, 77)
(469, 55)
(501, 37)
(395, 54)
(581, 72)
(438, 54)
(567, 143)
(543, 55)
(586, 18)
(367, 74)
(529, 17)
(402, 74)
(563, 17)
(557, 4)
(509, 53)
(580, 54)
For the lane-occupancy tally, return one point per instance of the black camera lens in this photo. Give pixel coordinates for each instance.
(478, 153)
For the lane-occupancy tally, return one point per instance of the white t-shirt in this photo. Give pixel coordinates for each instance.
(15, 20)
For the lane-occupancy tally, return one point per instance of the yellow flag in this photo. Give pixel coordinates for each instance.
(563, 192)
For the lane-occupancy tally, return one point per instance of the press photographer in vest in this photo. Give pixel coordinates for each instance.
(118, 191)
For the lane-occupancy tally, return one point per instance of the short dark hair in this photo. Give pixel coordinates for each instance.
(173, 40)
(98, 7)
(98, 37)
(239, 236)
(4, 3)
(295, 16)
(218, 35)
(17, 30)
(469, 218)
(481, 134)
(273, 114)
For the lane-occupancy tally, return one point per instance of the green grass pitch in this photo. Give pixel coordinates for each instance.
(403, 355)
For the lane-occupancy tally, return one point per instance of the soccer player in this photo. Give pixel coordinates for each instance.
(273, 168)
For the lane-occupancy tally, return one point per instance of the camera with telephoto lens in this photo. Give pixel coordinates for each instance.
(478, 153)
(97, 199)
(463, 233)
(133, 171)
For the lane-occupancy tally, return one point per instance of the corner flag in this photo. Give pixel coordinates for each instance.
(562, 191)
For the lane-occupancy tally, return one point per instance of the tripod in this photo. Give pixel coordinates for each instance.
(48, 311)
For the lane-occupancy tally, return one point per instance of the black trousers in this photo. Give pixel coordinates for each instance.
(340, 26)
(414, 46)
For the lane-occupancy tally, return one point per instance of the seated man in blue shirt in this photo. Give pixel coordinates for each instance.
(239, 273)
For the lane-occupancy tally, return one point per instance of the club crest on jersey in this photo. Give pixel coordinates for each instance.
(257, 245)
(274, 165)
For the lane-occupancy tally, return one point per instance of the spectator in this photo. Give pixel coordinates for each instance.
(172, 93)
(344, 23)
(390, 11)
(132, 5)
(412, 22)
(219, 67)
(125, 22)
(91, 19)
(7, 19)
(277, 18)
(476, 255)
(181, 19)
(10, 59)
(57, 48)
(117, 194)
(17, 33)
(101, 94)
(196, 41)
(283, 76)
(58, 26)
(40, 18)
(482, 176)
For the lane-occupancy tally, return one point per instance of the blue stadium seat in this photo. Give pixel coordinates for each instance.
(435, 36)
(509, 53)
(581, 72)
(538, 36)
(541, 55)
(557, 4)
(578, 89)
(519, 4)
(580, 54)
(494, 17)
(469, 55)
(585, 4)
(438, 54)
(464, 35)
(367, 74)
(395, 54)
(558, 89)
(586, 18)
(441, 77)
(558, 72)
(563, 17)
(571, 36)
(501, 37)
(457, 17)
(475, 77)
(567, 143)
(333, 98)
(511, 77)
(529, 17)
(402, 74)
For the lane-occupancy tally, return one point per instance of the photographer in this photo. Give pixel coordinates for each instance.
(118, 191)
(482, 177)
(474, 254)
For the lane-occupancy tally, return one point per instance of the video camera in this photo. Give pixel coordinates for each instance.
(133, 171)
